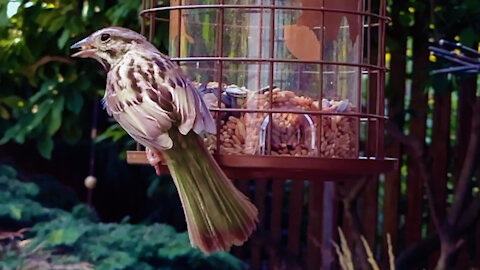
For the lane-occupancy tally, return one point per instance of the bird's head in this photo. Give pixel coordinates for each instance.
(108, 45)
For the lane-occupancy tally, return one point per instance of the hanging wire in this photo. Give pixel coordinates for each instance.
(91, 180)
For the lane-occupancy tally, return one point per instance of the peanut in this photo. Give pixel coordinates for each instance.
(291, 133)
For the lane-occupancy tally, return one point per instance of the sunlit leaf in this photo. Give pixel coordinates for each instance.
(39, 114)
(65, 236)
(15, 211)
(4, 113)
(44, 18)
(41, 31)
(4, 22)
(63, 39)
(12, 101)
(114, 132)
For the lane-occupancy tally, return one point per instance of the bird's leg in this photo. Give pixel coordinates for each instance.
(155, 159)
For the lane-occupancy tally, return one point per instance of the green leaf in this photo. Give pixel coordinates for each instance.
(70, 130)
(12, 101)
(18, 131)
(405, 19)
(40, 112)
(84, 211)
(8, 171)
(441, 84)
(207, 31)
(175, 248)
(44, 18)
(65, 236)
(4, 113)
(74, 101)
(9, 134)
(122, 10)
(63, 39)
(56, 116)
(44, 90)
(473, 6)
(45, 146)
(56, 23)
(75, 25)
(117, 260)
(113, 132)
(4, 21)
(83, 84)
(469, 37)
(152, 188)
(15, 212)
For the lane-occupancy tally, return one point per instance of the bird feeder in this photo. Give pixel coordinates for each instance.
(296, 86)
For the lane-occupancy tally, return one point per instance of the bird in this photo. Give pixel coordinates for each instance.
(154, 101)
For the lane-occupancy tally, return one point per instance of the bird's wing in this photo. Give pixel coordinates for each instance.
(147, 98)
(190, 108)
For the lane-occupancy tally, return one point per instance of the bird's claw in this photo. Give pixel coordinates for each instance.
(155, 159)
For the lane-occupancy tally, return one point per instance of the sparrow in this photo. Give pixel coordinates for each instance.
(157, 105)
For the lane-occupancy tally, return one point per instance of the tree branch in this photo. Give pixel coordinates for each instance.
(415, 150)
(349, 198)
(49, 58)
(463, 184)
(13, 235)
(460, 218)
(427, 246)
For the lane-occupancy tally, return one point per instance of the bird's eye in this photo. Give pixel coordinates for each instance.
(105, 37)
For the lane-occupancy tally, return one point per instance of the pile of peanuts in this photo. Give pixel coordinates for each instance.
(292, 134)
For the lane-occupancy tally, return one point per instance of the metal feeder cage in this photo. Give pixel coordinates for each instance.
(296, 86)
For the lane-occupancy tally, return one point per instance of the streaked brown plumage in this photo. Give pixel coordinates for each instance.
(153, 100)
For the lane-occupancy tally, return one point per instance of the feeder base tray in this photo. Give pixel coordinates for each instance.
(312, 168)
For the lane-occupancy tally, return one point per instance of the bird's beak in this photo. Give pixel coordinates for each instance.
(86, 48)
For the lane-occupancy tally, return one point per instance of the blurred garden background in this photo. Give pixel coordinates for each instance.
(133, 218)
(47, 104)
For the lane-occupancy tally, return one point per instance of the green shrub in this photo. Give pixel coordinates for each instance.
(60, 237)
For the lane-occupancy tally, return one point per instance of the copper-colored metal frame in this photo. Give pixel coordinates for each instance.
(241, 166)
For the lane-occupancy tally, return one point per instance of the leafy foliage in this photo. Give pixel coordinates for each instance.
(61, 237)
(44, 93)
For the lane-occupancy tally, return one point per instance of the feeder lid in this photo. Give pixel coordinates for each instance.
(235, 91)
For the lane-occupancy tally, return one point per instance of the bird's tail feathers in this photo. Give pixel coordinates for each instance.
(218, 215)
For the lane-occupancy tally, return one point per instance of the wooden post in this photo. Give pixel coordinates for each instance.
(419, 108)
(395, 93)
(295, 216)
(439, 152)
(369, 211)
(256, 250)
(244, 187)
(466, 98)
(314, 232)
(278, 189)
(329, 225)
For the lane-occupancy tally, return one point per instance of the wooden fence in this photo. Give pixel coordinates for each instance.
(299, 217)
